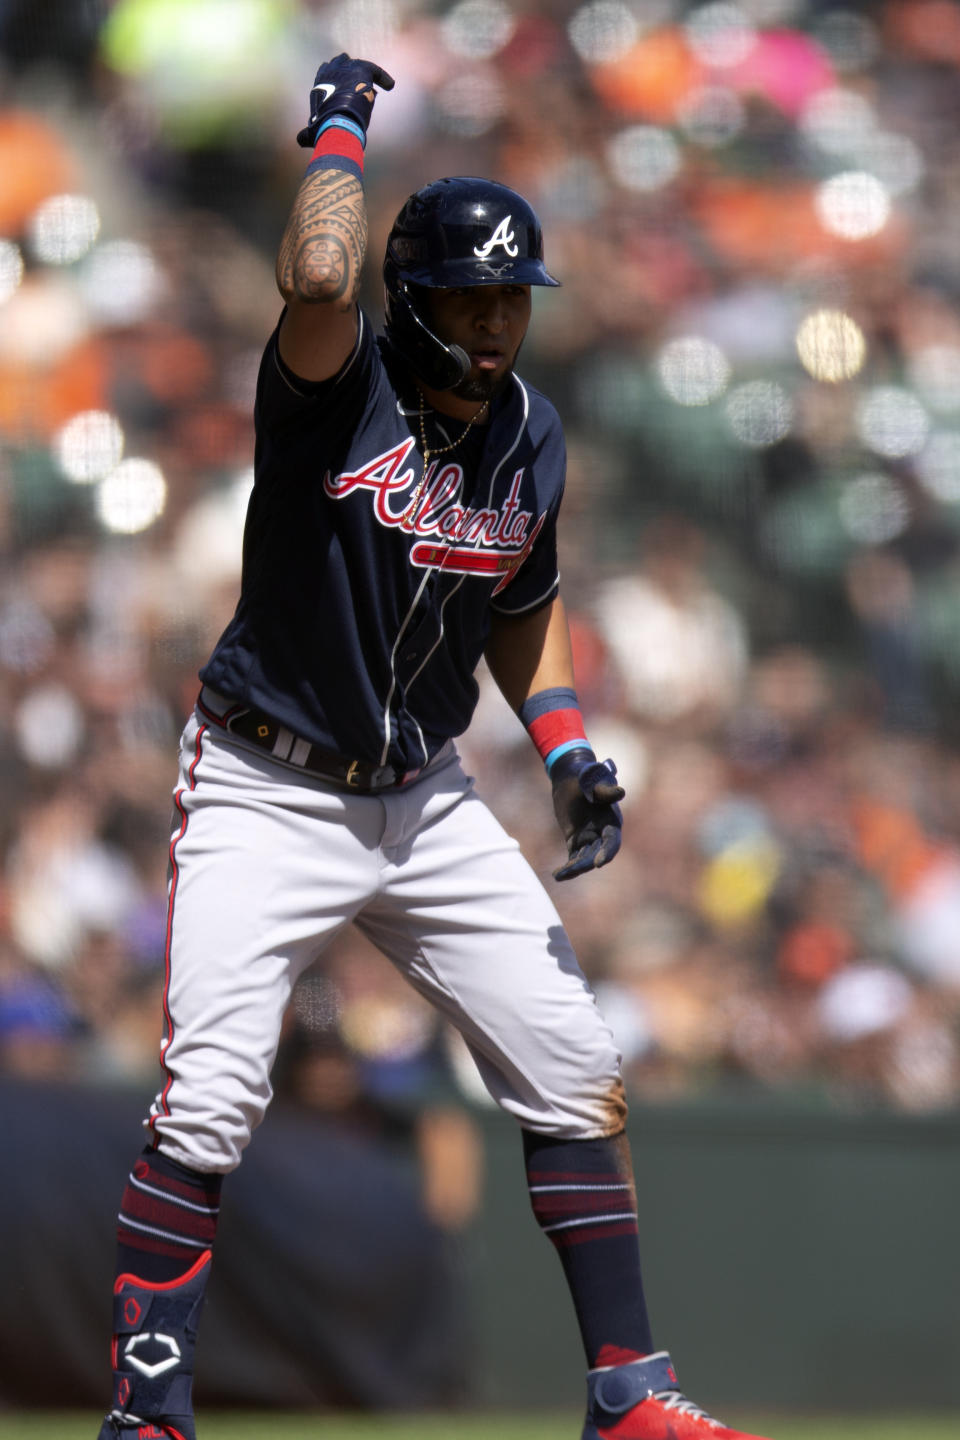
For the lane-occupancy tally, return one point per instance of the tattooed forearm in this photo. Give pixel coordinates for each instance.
(321, 254)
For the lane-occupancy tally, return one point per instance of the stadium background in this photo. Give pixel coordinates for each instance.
(755, 212)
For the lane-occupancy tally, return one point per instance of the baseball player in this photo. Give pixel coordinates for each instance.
(402, 525)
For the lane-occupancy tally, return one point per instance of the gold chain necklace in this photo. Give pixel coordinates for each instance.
(443, 450)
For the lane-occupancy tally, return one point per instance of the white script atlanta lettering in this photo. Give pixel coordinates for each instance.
(482, 541)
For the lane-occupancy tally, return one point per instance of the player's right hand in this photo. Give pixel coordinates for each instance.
(343, 87)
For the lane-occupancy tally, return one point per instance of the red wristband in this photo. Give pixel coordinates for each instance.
(554, 723)
(337, 148)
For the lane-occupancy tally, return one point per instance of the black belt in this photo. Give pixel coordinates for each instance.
(290, 749)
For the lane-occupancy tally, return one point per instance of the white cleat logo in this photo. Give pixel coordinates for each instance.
(503, 235)
(145, 1368)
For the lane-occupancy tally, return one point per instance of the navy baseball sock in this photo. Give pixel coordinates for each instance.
(583, 1197)
(168, 1217)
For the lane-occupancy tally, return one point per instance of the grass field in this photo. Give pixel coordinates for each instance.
(535, 1426)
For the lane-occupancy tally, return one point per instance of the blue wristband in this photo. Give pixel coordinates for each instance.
(565, 749)
(343, 122)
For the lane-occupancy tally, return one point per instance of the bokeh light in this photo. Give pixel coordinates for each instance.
(938, 466)
(853, 205)
(43, 320)
(131, 497)
(837, 120)
(693, 370)
(204, 70)
(478, 29)
(194, 37)
(891, 421)
(720, 35)
(64, 228)
(121, 282)
(89, 446)
(644, 157)
(49, 726)
(831, 345)
(469, 105)
(874, 509)
(760, 412)
(603, 31)
(863, 1000)
(11, 268)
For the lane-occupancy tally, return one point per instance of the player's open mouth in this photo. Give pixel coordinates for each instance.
(486, 359)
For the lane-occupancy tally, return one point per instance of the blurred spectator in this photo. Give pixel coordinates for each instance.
(36, 1027)
(678, 647)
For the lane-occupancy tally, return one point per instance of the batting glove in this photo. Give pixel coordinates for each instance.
(343, 87)
(585, 795)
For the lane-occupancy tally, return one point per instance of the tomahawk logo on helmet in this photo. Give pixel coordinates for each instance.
(454, 232)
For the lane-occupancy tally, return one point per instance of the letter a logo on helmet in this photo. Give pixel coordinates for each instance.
(504, 236)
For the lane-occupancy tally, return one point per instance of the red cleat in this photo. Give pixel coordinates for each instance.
(118, 1426)
(641, 1400)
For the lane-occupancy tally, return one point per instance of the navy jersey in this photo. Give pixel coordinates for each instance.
(368, 583)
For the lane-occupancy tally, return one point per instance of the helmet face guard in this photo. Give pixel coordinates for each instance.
(462, 231)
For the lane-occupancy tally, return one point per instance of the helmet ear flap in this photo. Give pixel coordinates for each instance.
(438, 365)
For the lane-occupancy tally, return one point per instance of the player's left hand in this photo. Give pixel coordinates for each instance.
(585, 795)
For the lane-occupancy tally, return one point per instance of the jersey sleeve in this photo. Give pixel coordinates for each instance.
(285, 400)
(536, 580)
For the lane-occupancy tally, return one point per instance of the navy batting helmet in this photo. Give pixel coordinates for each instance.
(453, 232)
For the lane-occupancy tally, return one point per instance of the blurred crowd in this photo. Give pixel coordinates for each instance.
(754, 209)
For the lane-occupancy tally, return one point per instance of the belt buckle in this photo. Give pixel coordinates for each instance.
(380, 778)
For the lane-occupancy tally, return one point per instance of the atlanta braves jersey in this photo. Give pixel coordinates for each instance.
(368, 581)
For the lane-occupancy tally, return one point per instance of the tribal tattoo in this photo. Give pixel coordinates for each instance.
(321, 254)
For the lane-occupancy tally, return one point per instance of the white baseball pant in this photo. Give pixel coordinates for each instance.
(268, 864)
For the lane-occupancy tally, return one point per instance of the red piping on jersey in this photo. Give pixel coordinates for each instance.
(223, 719)
(174, 877)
